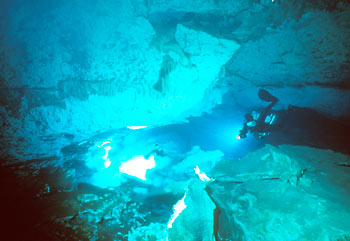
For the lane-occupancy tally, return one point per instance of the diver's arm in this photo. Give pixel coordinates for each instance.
(264, 114)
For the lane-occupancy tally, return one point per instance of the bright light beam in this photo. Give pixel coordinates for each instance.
(178, 208)
(107, 162)
(137, 166)
(105, 142)
(135, 127)
(201, 175)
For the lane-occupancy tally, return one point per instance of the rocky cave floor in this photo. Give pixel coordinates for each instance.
(54, 198)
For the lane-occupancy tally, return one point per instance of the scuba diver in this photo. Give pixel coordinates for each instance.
(260, 124)
(157, 150)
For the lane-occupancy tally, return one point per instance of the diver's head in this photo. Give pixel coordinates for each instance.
(242, 134)
(249, 117)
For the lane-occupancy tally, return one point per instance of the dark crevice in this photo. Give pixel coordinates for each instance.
(340, 85)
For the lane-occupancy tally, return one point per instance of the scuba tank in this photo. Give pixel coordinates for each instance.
(266, 96)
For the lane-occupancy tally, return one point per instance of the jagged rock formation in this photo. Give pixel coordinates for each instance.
(100, 73)
(284, 192)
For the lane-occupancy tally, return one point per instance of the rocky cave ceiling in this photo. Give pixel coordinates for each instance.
(69, 69)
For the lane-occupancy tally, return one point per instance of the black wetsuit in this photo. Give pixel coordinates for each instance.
(261, 127)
